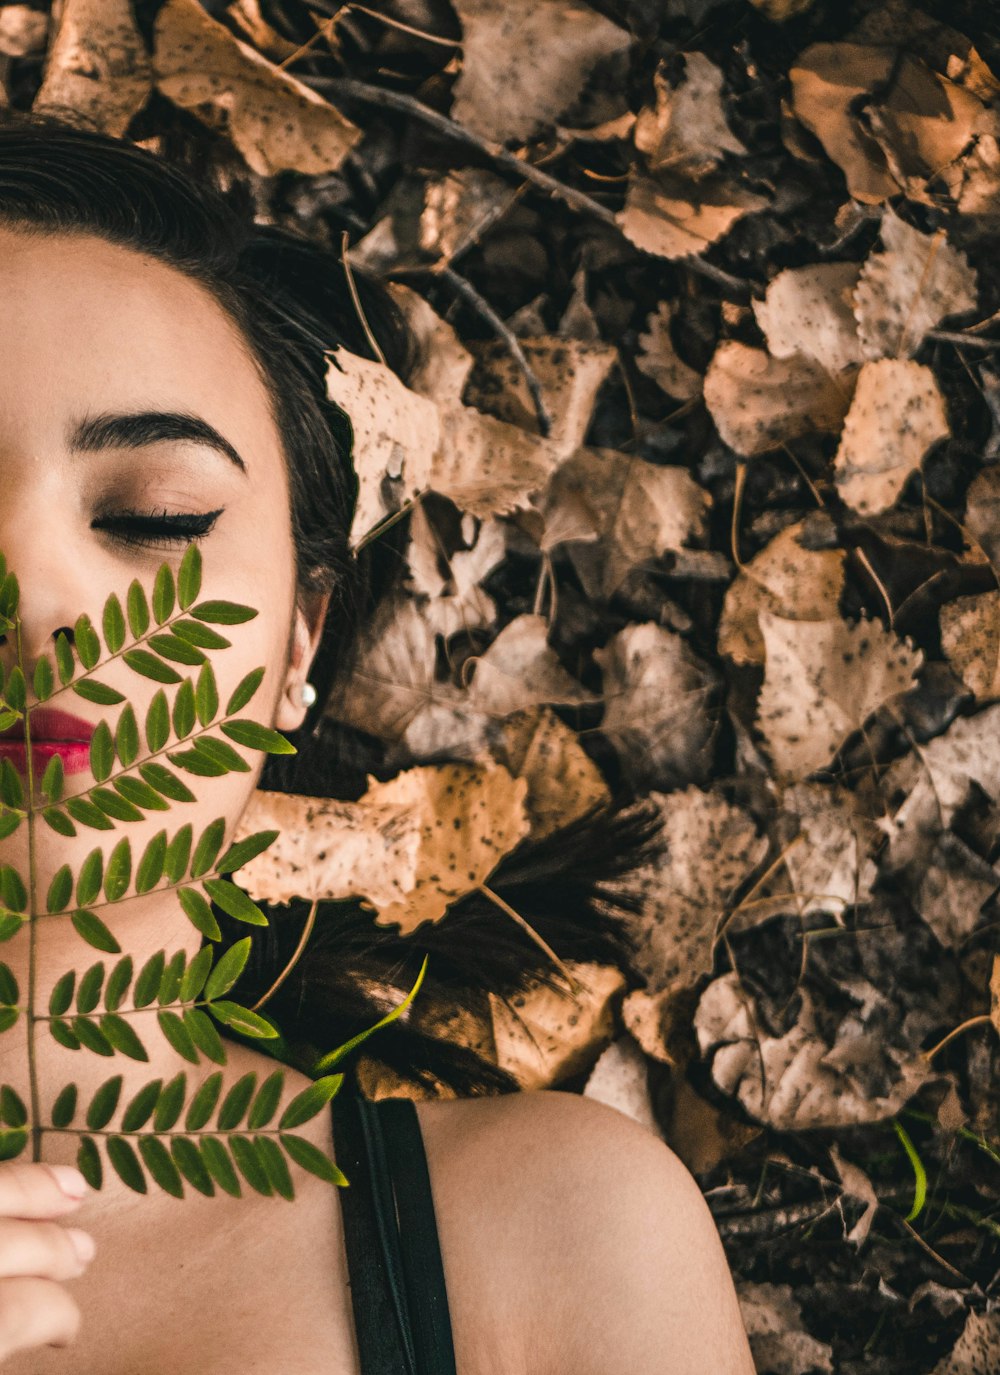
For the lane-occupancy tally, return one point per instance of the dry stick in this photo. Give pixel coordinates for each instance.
(306, 932)
(981, 1020)
(356, 299)
(574, 984)
(579, 200)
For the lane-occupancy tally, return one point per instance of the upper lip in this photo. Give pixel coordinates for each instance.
(49, 724)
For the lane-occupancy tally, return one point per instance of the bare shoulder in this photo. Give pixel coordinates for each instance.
(590, 1237)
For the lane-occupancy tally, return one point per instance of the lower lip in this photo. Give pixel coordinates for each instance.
(75, 754)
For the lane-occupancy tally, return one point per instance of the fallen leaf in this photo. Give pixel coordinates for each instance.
(909, 289)
(686, 130)
(830, 866)
(441, 363)
(96, 66)
(809, 310)
(896, 415)
(564, 784)
(657, 357)
(759, 403)
(953, 887)
(822, 680)
(619, 1079)
(858, 1186)
(779, 1342)
(488, 467)
(455, 208)
(970, 637)
(525, 62)
(451, 582)
(275, 121)
(520, 669)
(546, 1035)
(977, 1351)
(674, 218)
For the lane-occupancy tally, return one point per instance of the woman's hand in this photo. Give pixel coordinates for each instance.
(37, 1253)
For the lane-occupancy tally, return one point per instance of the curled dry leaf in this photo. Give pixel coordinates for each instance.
(858, 1186)
(657, 357)
(638, 510)
(759, 402)
(410, 847)
(830, 863)
(970, 637)
(822, 680)
(275, 121)
(712, 847)
(797, 1082)
(620, 1080)
(525, 62)
(521, 669)
(442, 363)
(809, 310)
(896, 415)
(564, 784)
(97, 65)
(787, 578)
(546, 1035)
(655, 691)
(686, 130)
(909, 289)
(674, 218)
(455, 600)
(779, 1342)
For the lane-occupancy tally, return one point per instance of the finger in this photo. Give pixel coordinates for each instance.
(32, 1189)
(34, 1312)
(43, 1248)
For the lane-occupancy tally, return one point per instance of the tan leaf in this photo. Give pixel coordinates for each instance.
(977, 1351)
(455, 208)
(455, 600)
(247, 16)
(787, 578)
(712, 847)
(488, 467)
(275, 121)
(620, 1080)
(778, 1340)
(822, 680)
(520, 669)
(686, 130)
(638, 510)
(524, 62)
(907, 290)
(759, 403)
(23, 31)
(673, 218)
(442, 363)
(564, 783)
(970, 637)
(856, 1185)
(896, 415)
(396, 434)
(982, 514)
(97, 65)
(658, 359)
(826, 82)
(954, 885)
(809, 310)
(655, 692)
(830, 864)
(546, 1035)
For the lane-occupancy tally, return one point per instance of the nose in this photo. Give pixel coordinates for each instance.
(49, 602)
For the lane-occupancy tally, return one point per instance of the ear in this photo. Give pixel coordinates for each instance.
(307, 630)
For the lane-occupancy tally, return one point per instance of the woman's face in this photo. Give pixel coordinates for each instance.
(94, 336)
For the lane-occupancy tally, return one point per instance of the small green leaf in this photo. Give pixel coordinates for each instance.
(125, 1163)
(10, 924)
(12, 1108)
(264, 1106)
(219, 1166)
(919, 1172)
(197, 633)
(221, 753)
(206, 695)
(65, 663)
(276, 1166)
(191, 1165)
(16, 691)
(173, 647)
(140, 794)
(13, 893)
(194, 761)
(87, 642)
(61, 1032)
(195, 975)
(178, 1035)
(103, 1104)
(236, 1101)
(250, 1164)
(88, 883)
(8, 1017)
(311, 1158)
(147, 984)
(127, 736)
(173, 972)
(165, 781)
(257, 737)
(241, 1019)
(57, 820)
(170, 1102)
(64, 1108)
(113, 624)
(123, 1036)
(157, 722)
(61, 996)
(118, 982)
(88, 993)
(87, 814)
(93, 691)
(114, 806)
(11, 791)
(234, 902)
(184, 710)
(149, 666)
(178, 854)
(199, 913)
(189, 576)
(203, 1103)
(12, 1142)
(159, 1164)
(118, 871)
(53, 779)
(150, 869)
(138, 610)
(208, 847)
(91, 1036)
(140, 1106)
(244, 691)
(9, 990)
(60, 893)
(88, 1162)
(243, 851)
(310, 1101)
(102, 752)
(88, 925)
(334, 1057)
(42, 680)
(204, 1034)
(223, 613)
(10, 821)
(228, 968)
(163, 593)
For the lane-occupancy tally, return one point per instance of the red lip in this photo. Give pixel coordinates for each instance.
(48, 724)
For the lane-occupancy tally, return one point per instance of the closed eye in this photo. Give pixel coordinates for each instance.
(151, 528)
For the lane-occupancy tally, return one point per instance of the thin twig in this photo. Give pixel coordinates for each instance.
(488, 892)
(303, 939)
(356, 299)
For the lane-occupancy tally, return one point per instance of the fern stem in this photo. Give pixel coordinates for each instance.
(36, 1129)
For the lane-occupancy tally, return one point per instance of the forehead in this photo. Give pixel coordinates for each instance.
(95, 324)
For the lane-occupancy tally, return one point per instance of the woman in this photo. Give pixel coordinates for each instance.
(160, 384)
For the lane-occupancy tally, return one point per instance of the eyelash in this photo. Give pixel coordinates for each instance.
(132, 528)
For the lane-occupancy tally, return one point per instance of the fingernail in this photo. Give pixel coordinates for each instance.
(83, 1244)
(70, 1180)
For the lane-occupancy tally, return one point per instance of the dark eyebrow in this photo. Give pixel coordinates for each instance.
(139, 428)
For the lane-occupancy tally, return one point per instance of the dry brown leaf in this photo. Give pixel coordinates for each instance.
(638, 511)
(759, 403)
(856, 1185)
(822, 680)
(977, 1351)
(827, 81)
(442, 363)
(23, 30)
(909, 289)
(673, 218)
(970, 638)
(247, 16)
(97, 65)
(778, 1339)
(547, 1035)
(787, 578)
(712, 847)
(830, 865)
(443, 731)
(655, 691)
(982, 514)
(954, 884)
(488, 467)
(619, 1079)
(525, 62)
(896, 415)
(686, 130)
(978, 191)
(797, 1082)
(809, 310)
(657, 357)
(455, 207)
(455, 600)
(275, 121)
(520, 669)
(564, 783)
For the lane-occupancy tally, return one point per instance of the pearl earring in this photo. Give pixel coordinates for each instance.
(308, 694)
